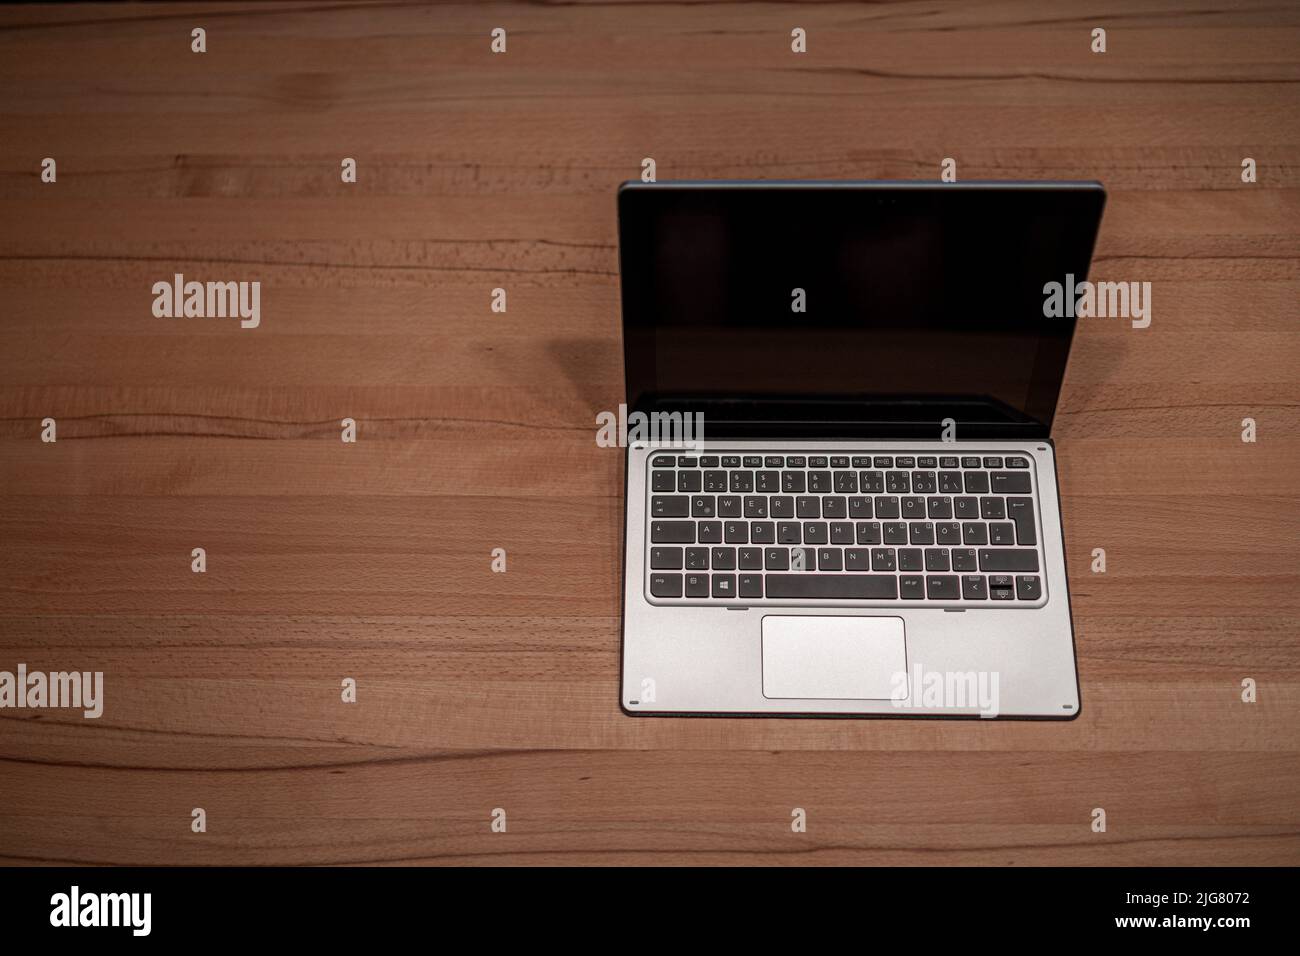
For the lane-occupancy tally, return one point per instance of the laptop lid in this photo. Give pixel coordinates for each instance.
(851, 310)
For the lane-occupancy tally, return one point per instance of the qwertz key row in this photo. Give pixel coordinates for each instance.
(862, 528)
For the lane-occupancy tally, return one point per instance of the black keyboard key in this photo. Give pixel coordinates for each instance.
(767, 482)
(735, 532)
(751, 585)
(663, 461)
(715, 481)
(663, 481)
(697, 585)
(950, 482)
(776, 559)
(949, 461)
(970, 462)
(846, 482)
(690, 481)
(723, 559)
(815, 532)
(854, 587)
(666, 559)
(871, 482)
(974, 532)
(927, 461)
(817, 461)
(942, 587)
(1002, 532)
(697, 559)
(762, 532)
(794, 482)
(887, 507)
(750, 559)
(796, 461)
(830, 558)
(789, 532)
(808, 506)
(973, 587)
(898, 483)
(882, 461)
(861, 461)
(977, 482)
(1021, 511)
(868, 532)
(861, 508)
(703, 506)
(883, 559)
(781, 506)
(921, 532)
(753, 461)
(819, 482)
(686, 462)
(729, 506)
(666, 585)
(672, 532)
(839, 461)
(964, 508)
(1017, 462)
(833, 507)
(911, 587)
(992, 509)
(1007, 559)
(676, 506)
(913, 508)
(842, 533)
(1011, 482)
(965, 559)
(1002, 587)
(905, 461)
(730, 461)
(936, 559)
(924, 483)
(1028, 587)
(895, 532)
(709, 532)
(803, 559)
(755, 506)
(742, 482)
(708, 461)
(857, 559)
(939, 506)
(724, 585)
(947, 532)
(911, 559)
(774, 461)
(992, 462)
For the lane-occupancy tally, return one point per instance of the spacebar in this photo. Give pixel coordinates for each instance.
(842, 586)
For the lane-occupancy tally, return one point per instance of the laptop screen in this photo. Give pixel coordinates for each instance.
(843, 310)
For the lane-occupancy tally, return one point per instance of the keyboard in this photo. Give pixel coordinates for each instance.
(923, 529)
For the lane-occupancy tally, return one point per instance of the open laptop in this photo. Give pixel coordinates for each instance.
(867, 523)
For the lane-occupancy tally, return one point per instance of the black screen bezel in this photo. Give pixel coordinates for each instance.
(1081, 203)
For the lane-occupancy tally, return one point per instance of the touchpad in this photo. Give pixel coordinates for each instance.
(841, 658)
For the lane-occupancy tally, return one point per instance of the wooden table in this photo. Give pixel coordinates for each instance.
(478, 690)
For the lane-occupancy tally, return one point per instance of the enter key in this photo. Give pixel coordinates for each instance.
(1021, 511)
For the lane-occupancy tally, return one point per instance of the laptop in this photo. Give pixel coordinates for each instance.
(841, 493)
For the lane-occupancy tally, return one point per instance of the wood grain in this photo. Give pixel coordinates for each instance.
(479, 690)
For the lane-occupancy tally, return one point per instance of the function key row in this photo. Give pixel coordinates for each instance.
(797, 482)
(839, 461)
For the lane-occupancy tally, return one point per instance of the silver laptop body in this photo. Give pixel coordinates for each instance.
(870, 523)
